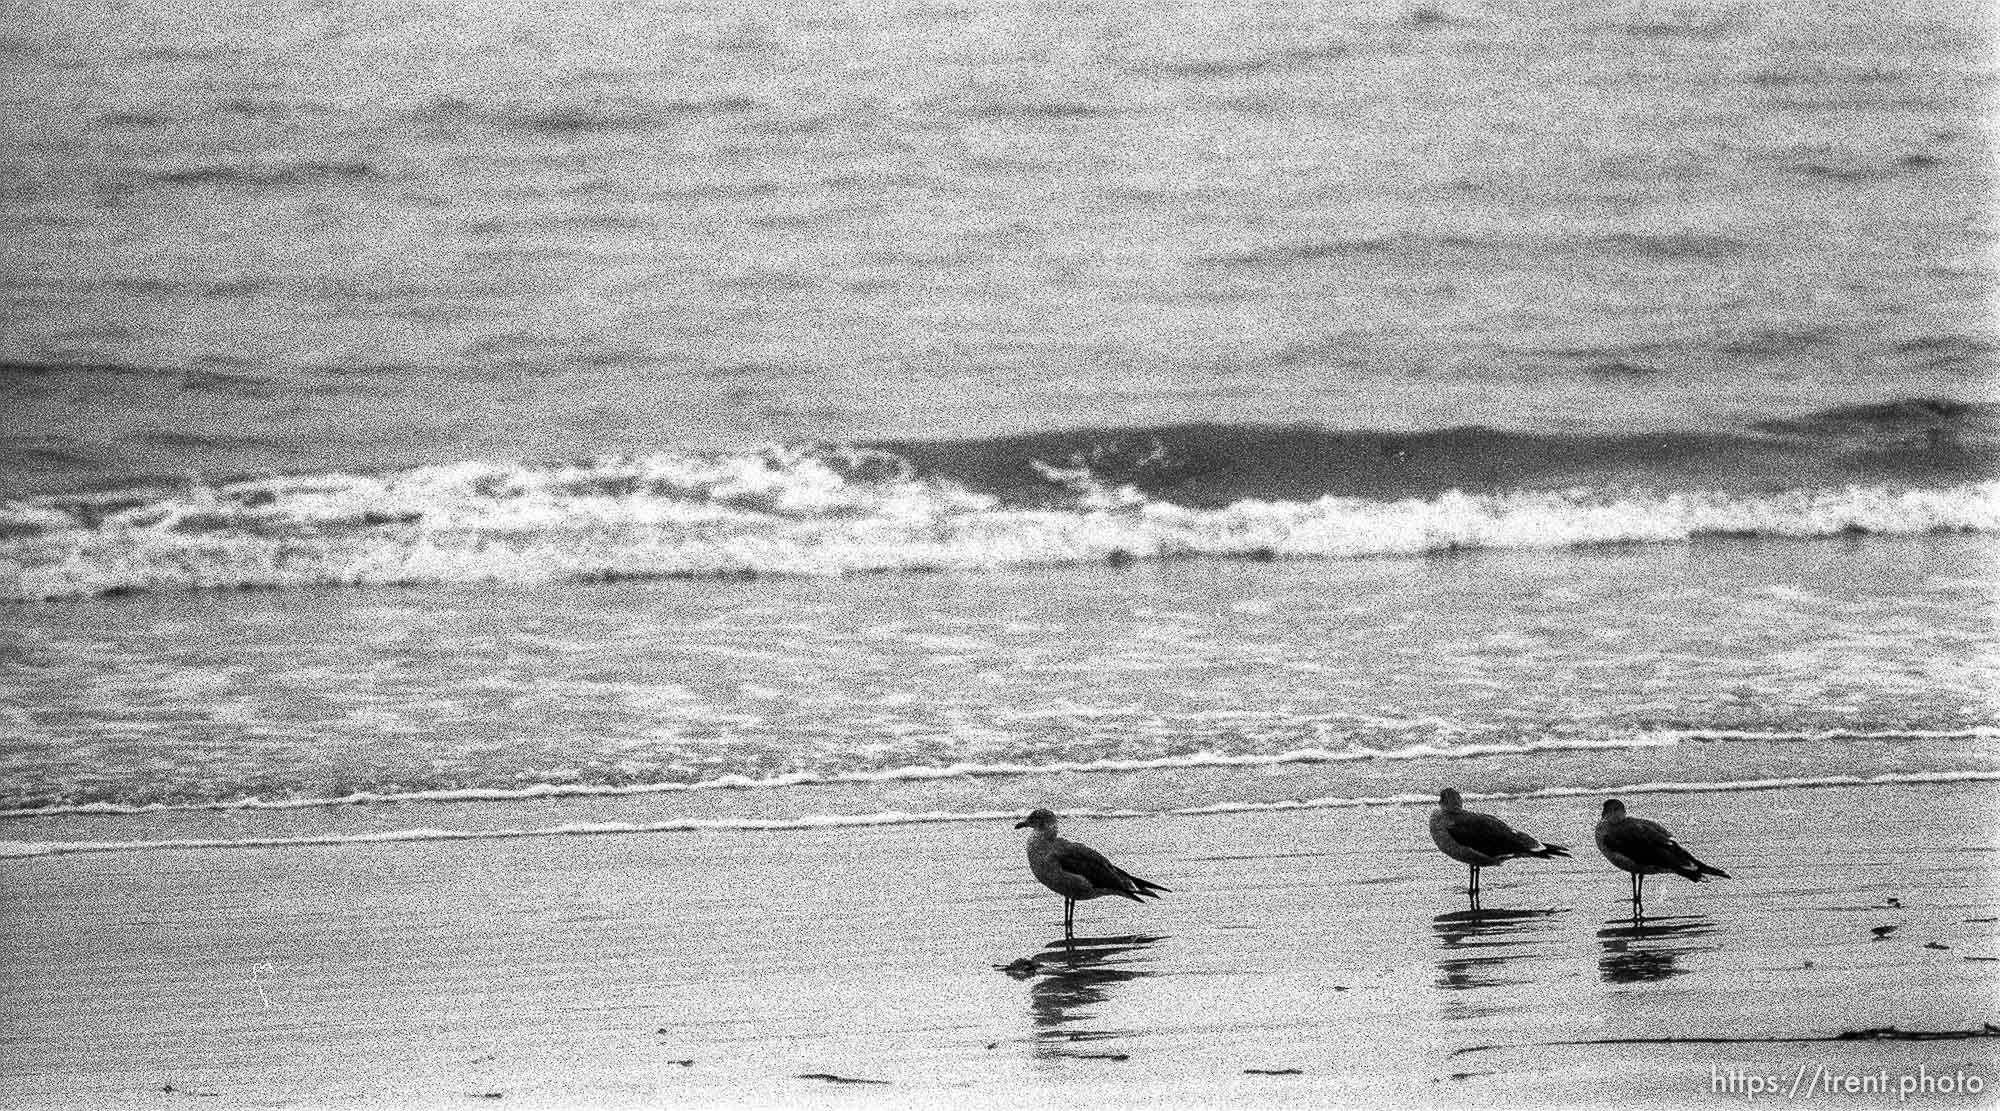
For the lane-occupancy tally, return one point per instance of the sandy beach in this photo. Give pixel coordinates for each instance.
(1310, 957)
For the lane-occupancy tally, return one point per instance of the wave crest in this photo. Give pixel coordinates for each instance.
(841, 510)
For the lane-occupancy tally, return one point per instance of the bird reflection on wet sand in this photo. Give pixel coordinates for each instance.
(1073, 977)
(1475, 945)
(1639, 950)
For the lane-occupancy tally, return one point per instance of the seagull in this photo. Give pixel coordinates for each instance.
(1480, 840)
(1644, 848)
(1077, 871)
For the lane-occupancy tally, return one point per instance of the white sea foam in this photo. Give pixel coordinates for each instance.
(971, 770)
(1976, 732)
(798, 512)
(569, 829)
(1421, 751)
(20, 849)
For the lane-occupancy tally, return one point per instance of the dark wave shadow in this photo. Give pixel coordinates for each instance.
(1476, 945)
(1644, 950)
(1076, 976)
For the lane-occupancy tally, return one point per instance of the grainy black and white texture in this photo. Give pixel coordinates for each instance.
(544, 548)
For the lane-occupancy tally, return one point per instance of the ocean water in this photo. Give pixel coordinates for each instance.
(467, 420)
(242, 238)
(1156, 688)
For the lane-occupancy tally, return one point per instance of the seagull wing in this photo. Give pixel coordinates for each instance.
(1650, 844)
(1082, 860)
(1484, 833)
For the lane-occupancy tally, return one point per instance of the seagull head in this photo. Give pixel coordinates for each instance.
(1613, 810)
(1040, 818)
(1449, 802)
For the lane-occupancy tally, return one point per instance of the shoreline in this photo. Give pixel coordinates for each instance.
(919, 774)
(445, 804)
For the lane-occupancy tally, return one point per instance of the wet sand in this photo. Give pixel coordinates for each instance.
(1306, 958)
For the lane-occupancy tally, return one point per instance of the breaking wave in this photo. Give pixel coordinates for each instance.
(1036, 501)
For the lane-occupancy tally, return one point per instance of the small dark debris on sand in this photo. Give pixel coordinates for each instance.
(1101, 1056)
(1896, 1034)
(684, 1062)
(1881, 932)
(832, 1079)
(1936, 945)
(1870, 1034)
(1274, 1072)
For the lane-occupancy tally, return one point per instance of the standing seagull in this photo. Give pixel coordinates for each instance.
(1077, 871)
(1643, 848)
(1480, 840)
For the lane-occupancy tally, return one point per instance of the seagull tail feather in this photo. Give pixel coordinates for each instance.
(1547, 850)
(1699, 872)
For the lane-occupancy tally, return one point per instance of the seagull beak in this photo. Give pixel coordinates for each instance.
(1023, 824)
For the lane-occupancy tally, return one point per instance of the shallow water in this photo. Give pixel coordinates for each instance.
(1153, 688)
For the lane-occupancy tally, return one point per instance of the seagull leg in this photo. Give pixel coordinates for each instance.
(1069, 918)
